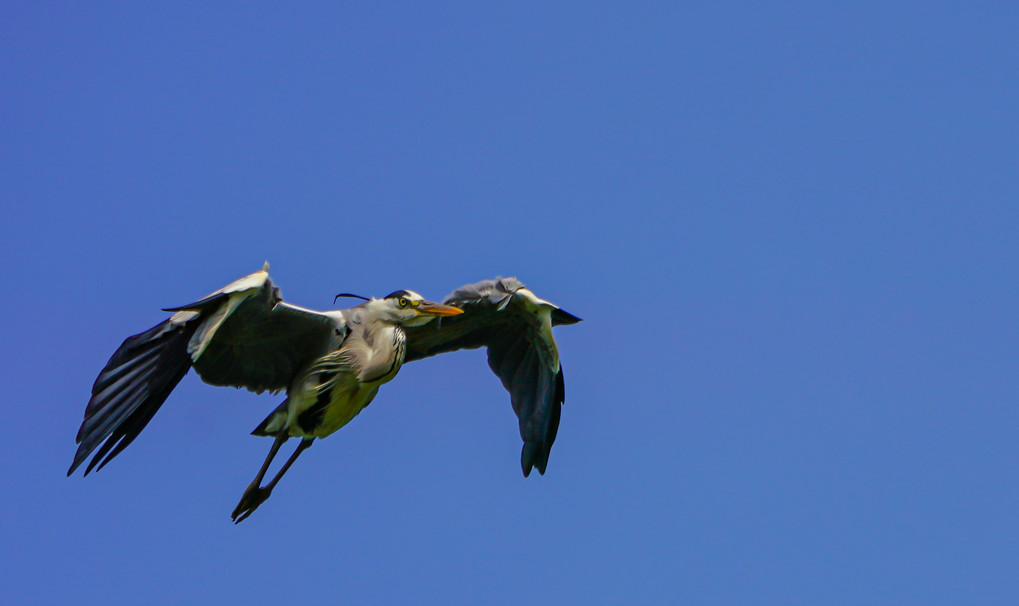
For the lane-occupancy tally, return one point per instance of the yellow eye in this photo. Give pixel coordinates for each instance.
(403, 302)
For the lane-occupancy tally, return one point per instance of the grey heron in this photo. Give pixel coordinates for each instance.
(330, 363)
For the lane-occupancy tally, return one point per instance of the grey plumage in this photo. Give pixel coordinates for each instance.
(330, 363)
(515, 326)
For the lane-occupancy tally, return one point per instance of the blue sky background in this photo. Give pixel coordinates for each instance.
(790, 229)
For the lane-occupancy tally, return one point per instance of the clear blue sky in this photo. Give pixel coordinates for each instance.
(791, 230)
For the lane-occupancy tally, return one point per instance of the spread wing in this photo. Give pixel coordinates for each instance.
(516, 327)
(242, 335)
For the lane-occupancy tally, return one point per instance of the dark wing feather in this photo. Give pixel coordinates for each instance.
(242, 335)
(515, 326)
(131, 388)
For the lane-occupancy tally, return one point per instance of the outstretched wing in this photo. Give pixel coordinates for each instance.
(242, 335)
(516, 327)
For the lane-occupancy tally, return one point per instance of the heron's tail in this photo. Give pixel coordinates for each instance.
(132, 387)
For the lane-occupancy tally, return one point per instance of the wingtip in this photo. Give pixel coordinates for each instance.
(74, 467)
(79, 458)
(533, 456)
(527, 467)
(563, 317)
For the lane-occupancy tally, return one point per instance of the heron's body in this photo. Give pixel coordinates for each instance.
(330, 363)
(337, 386)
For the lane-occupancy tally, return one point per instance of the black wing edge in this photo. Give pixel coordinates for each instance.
(561, 317)
(130, 389)
(201, 304)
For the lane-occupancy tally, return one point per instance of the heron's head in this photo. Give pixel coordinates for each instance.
(407, 308)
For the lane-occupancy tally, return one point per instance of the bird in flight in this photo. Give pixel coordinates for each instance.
(330, 363)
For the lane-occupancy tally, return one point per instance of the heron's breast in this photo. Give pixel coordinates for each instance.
(334, 407)
(343, 408)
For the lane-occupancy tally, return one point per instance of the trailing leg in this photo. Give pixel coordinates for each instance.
(255, 494)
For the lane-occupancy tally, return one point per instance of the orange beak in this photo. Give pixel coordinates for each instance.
(438, 309)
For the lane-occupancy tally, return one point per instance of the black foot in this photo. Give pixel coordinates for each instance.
(250, 500)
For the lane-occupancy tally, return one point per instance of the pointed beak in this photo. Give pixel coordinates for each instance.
(427, 308)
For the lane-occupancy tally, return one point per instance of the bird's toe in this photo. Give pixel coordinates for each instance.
(250, 500)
